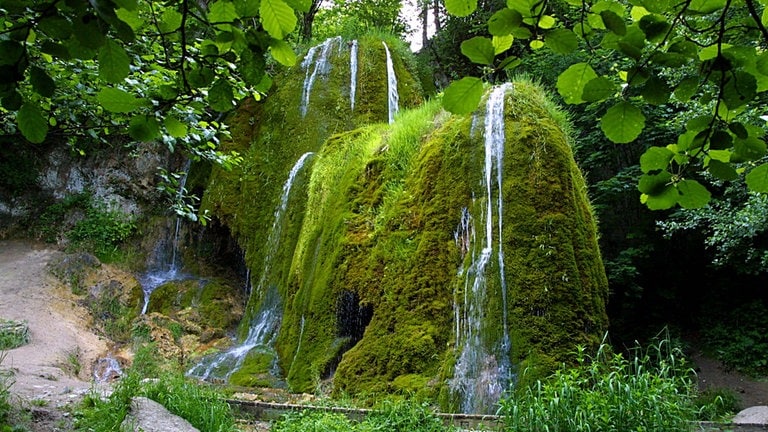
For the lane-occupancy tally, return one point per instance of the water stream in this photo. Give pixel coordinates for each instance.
(266, 322)
(392, 96)
(322, 67)
(353, 74)
(165, 266)
(483, 369)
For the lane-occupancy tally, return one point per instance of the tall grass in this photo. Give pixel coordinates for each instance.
(651, 390)
(201, 406)
(390, 416)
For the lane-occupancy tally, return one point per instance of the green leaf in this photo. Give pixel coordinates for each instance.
(170, 21)
(252, 66)
(12, 101)
(114, 64)
(502, 43)
(656, 91)
(655, 159)
(130, 5)
(762, 62)
(117, 101)
(31, 123)
(10, 52)
(460, 8)
(277, 18)
(56, 26)
(504, 22)
(752, 148)
(479, 50)
(722, 170)
(247, 8)
(132, 18)
(623, 122)
(222, 11)
(757, 179)
(463, 96)
(613, 22)
(220, 96)
(300, 5)
(706, 6)
(144, 128)
(175, 128)
(546, 22)
(739, 130)
(740, 89)
(598, 89)
(282, 52)
(692, 194)
(562, 41)
(41, 82)
(570, 83)
(654, 184)
(686, 89)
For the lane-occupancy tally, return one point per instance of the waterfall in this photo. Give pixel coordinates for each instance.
(321, 67)
(353, 74)
(392, 96)
(483, 369)
(265, 324)
(163, 270)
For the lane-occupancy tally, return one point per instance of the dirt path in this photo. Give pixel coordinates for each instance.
(55, 368)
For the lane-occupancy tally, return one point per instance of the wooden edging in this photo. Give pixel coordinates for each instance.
(267, 411)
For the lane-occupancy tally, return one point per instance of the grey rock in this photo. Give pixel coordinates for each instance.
(147, 415)
(752, 415)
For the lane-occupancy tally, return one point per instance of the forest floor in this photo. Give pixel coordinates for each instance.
(52, 373)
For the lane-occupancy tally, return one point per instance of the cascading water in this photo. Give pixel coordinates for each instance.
(353, 74)
(322, 67)
(392, 96)
(483, 369)
(265, 324)
(166, 267)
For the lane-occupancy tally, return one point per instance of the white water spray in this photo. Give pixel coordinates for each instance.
(266, 323)
(392, 95)
(483, 372)
(353, 74)
(321, 68)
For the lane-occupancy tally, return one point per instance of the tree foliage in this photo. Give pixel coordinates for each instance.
(91, 70)
(706, 57)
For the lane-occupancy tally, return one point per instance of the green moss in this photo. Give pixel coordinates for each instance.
(368, 273)
(256, 370)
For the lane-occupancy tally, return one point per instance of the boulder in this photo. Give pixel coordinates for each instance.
(147, 415)
(752, 415)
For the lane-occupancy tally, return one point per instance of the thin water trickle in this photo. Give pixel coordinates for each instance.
(321, 68)
(164, 270)
(353, 74)
(392, 96)
(266, 323)
(483, 370)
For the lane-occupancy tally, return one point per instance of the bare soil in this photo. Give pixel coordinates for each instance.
(55, 370)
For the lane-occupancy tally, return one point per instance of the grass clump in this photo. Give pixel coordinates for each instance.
(391, 416)
(202, 406)
(651, 390)
(13, 334)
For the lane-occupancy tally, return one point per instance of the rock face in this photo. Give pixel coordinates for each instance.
(147, 415)
(756, 415)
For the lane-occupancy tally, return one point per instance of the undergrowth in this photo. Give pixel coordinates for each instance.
(202, 406)
(389, 415)
(650, 390)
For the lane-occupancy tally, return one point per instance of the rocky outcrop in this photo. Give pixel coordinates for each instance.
(147, 415)
(756, 415)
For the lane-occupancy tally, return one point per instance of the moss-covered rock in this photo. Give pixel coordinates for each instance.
(371, 267)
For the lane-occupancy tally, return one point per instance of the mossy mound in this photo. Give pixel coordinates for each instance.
(369, 268)
(374, 277)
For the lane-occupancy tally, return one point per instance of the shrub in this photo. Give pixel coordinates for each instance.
(738, 338)
(651, 391)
